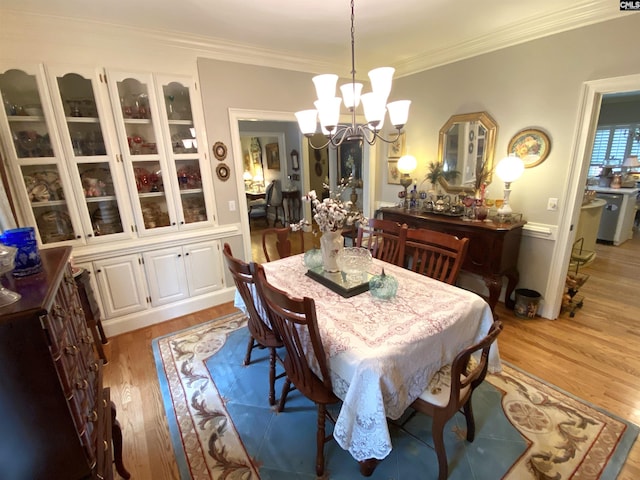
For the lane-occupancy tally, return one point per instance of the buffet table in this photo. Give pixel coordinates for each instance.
(493, 247)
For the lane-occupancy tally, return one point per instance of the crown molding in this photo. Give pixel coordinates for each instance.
(69, 30)
(570, 18)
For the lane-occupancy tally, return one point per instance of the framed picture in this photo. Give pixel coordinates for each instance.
(273, 156)
(393, 174)
(349, 161)
(531, 145)
(396, 149)
(295, 160)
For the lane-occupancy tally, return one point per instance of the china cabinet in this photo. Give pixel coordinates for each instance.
(163, 147)
(116, 165)
(35, 157)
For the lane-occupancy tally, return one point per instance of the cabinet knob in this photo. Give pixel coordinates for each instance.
(182, 222)
(90, 235)
(71, 350)
(92, 416)
(82, 384)
(173, 223)
(99, 270)
(78, 237)
(186, 254)
(179, 255)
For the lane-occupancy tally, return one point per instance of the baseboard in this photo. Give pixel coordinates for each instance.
(155, 315)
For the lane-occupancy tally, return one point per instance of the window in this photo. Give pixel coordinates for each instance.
(612, 144)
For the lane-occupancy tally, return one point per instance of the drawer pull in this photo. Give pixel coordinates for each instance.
(72, 350)
(104, 402)
(106, 445)
(82, 384)
(93, 416)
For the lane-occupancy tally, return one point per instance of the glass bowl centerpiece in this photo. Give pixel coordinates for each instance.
(355, 263)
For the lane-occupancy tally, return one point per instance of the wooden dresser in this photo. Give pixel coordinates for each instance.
(57, 420)
(493, 248)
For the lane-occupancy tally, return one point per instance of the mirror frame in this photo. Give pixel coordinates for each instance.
(490, 143)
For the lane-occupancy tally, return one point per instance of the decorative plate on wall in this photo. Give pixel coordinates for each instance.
(220, 151)
(223, 172)
(531, 145)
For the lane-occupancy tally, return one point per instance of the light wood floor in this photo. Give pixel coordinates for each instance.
(594, 355)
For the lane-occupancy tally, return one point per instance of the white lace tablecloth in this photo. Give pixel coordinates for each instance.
(382, 354)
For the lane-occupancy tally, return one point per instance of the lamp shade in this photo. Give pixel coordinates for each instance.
(307, 121)
(328, 112)
(510, 168)
(246, 176)
(399, 112)
(325, 85)
(374, 107)
(631, 161)
(381, 79)
(407, 164)
(351, 94)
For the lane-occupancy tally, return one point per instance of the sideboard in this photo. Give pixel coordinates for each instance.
(493, 247)
(57, 420)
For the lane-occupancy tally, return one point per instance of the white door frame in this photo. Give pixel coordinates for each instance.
(586, 124)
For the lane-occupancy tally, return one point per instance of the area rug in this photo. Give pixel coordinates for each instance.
(223, 428)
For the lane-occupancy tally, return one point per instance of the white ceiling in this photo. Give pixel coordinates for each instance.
(411, 35)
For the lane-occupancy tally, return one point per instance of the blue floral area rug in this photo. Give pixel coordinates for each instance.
(222, 426)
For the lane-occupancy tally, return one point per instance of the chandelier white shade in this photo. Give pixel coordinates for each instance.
(374, 104)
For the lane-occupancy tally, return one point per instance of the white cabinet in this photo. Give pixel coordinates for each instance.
(163, 144)
(97, 157)
(204, 267)
(122, 285)
(180, 272)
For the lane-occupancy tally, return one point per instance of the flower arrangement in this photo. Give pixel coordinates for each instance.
(332, 213)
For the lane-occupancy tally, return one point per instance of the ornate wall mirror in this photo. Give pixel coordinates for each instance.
(467, 144)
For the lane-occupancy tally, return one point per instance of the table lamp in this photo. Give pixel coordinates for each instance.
(248, 178)
(406, 165)
(630, 162)
(509, 169)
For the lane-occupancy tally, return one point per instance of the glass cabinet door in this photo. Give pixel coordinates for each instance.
(187, 150)
(134, 104)
(91, 150)
(35, 156)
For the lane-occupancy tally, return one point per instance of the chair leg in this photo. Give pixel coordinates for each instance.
(438, 442)
(471, 423)
(320, 434)
(250, 345)
(272, 376)
(285, 391)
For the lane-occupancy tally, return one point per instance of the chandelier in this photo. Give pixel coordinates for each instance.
(374, 104)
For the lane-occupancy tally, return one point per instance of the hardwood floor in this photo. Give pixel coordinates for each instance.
(593, 356)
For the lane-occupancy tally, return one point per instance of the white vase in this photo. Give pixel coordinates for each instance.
(330, 244)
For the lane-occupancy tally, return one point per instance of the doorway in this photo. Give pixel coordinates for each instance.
(591, 99)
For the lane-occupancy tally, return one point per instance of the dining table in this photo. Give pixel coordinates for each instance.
(382, 354)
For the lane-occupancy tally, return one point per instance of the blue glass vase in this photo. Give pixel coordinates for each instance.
(28, 259)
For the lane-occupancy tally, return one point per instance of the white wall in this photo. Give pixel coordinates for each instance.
(536, 84)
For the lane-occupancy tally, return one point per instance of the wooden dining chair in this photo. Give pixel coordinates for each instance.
(434, 254)
(451, 389)
(260, 332)
(283, 245)
(383, 238)
(291, 317)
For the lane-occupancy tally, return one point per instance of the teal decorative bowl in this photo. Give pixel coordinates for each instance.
(383, 286)
(313, 258)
